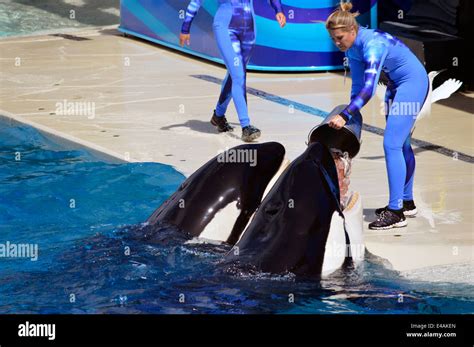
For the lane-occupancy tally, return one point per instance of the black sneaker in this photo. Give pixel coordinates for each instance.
(250, 133)
(409, 209)
(221, 123)
(389, 219)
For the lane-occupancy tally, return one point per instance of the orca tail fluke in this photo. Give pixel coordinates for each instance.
(445, 90)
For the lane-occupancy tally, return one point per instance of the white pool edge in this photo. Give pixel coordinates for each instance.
(68, 141)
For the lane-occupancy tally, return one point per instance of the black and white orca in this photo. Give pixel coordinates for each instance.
(217, 201)
(299, 226)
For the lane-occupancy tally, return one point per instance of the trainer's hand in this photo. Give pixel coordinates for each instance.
(337, 122)
(280, 17)
(184, 38)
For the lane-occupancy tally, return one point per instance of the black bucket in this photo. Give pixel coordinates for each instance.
(346, 139)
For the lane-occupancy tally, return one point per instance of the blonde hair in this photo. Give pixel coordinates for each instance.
(342, 18)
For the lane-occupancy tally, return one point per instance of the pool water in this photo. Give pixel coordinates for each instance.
(86, 217)
(26, 17)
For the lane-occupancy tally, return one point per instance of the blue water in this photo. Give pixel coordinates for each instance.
(26, 17)
(94, 258)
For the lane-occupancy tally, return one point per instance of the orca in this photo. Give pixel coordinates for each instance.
(299, 226)
(227, 188)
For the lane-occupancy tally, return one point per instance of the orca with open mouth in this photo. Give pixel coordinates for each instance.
(227, 188)
(300, 227)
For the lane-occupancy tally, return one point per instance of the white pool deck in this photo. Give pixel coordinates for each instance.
(148, 107)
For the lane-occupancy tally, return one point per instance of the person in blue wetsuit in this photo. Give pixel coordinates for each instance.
(369, 52)
(234, 29)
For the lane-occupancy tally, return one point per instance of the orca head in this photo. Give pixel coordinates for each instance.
(235, 179)
(291, 227)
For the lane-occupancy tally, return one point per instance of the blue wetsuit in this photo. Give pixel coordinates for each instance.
(373, 51)
(234, 30)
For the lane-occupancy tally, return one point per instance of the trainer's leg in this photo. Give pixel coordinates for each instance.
(410, 169)
(397, 132)
(247, 42)
(230, 48)
(225, 96)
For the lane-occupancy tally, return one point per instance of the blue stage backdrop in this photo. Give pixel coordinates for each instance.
(303, 45)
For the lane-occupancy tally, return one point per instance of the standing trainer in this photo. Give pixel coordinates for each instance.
(234, 29)
(369, 52)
